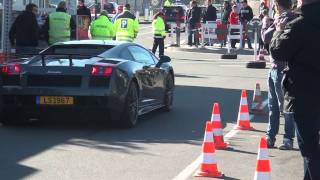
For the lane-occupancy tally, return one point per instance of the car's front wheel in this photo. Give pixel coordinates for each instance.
(130, 115)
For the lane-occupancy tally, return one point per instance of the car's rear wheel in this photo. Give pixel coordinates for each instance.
(130, 115)
(12, 118)
(168, 97)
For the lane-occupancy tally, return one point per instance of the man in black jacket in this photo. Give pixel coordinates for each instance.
(226, 12)
(83, 20)
(211, 13)
(245, 16)
(83, 10)
(193, 17)
(297, 43)
(24, 32)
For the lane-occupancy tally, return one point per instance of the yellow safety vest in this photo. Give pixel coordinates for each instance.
(102, 29)
(167, 3)
(158, 28)
(59, 27)
(126, 27)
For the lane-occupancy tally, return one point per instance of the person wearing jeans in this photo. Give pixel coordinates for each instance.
(276, 95)
(193, 17)
(275, 100)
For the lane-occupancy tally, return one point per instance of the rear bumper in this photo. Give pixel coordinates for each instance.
(84, 100)
(38, 91)
(84, 108)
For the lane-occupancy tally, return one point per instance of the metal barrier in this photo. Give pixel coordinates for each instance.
(174, 29)
(237, 34)
(208, 31)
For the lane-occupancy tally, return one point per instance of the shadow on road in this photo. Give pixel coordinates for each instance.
(214, 50)
(183, 125)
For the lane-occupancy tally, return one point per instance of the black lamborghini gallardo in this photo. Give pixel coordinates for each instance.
(118, 80)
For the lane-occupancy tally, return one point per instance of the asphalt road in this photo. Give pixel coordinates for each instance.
(163, 146)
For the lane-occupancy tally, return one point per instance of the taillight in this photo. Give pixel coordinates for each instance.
(11, 69)
(182, 17)
(101, 71)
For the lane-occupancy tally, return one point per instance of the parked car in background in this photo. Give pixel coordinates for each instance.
(175, 13)
(111, 7)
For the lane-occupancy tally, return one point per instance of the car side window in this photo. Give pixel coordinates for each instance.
(155, 59)
(141, 55)
(125, 54)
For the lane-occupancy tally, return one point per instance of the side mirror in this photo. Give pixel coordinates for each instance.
(163, 59)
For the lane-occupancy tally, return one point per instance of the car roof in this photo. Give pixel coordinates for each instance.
(92, 42)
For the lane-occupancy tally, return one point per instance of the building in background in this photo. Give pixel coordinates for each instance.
(45, 7)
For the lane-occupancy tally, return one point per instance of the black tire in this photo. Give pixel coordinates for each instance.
(229, 56)
(12, 118)
(130, 115)
(256, 64)
(168, 97)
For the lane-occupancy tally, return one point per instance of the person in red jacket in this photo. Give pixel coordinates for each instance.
(234, 20)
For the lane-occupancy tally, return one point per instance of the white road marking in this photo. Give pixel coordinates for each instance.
(208, 61)
(145, 33)
(181, 42)
(232, 65)
(189, 170)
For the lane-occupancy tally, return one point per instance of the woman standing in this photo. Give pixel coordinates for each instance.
(159, 33)
(225, 17)
(234, 20)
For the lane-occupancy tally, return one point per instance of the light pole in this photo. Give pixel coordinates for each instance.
(7, 16)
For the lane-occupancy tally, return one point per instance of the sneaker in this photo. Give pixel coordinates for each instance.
(287, 145)
(270, 142)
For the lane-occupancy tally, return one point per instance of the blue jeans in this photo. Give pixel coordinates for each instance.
(192, 31)
(275, 101)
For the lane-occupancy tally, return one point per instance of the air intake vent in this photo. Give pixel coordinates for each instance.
(54, 81)
(109, 61)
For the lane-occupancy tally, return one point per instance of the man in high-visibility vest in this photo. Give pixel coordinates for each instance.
(126, 26)
(59, 26)
(167, 3)
(159, 33)
(102, 28)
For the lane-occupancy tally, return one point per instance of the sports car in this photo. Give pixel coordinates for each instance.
(117, 80)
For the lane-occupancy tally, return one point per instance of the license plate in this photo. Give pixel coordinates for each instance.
(54, 100)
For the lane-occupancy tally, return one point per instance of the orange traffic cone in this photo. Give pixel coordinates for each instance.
(263, 171)
(208, 166)
(243, 116)
(217, 128)
(257, 101)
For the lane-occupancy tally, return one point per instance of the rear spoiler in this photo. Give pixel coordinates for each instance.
(70, 56)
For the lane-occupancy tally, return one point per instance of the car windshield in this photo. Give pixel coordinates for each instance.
(60, 54)
(173, 12)
(80, 50)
